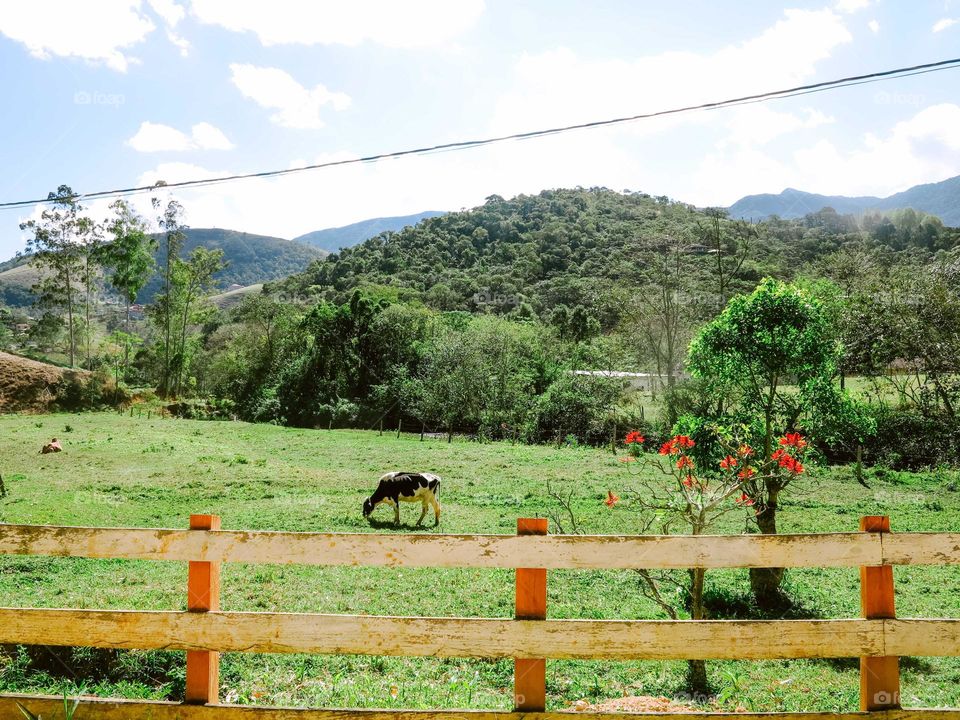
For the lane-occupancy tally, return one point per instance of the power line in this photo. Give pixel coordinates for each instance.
(850, 81)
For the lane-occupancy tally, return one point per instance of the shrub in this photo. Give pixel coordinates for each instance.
(579, 405)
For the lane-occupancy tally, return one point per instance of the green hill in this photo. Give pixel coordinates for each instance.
(250, 259)
(593, 248)
(560, 247)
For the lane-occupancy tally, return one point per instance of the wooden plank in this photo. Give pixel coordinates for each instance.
(447, 637)
(105, 709)
(922, 637)
(879, 676)
(203, 595)
(921, 549)
(421, 550)
(530, 674)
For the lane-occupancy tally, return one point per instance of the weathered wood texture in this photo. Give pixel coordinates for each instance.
(921, 548)
(491, 551)
(152, 710)
(474, 637)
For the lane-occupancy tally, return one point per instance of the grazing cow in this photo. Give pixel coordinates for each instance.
(51, 447)
(397, 487)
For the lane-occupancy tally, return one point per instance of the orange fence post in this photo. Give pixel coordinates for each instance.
(530, 676)
(203, 594)
(879, 676)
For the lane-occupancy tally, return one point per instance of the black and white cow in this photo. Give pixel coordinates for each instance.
(397, 487)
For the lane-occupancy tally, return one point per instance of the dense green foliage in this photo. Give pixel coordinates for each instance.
(585, 248)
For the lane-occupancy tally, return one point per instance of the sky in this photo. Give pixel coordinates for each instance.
(115, 93)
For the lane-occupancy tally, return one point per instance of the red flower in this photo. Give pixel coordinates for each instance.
(683, 441)
(744, 500)
(611, 499)
(745, 450)
(667, 448)
(634, 436)
(728, 462)
(746, 473)
(794, 440)
(687, 481)
(684, 462)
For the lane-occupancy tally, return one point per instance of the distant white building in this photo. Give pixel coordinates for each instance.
(644, 382)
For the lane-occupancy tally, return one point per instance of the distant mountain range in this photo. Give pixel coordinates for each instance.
(941, 199)
(334, 239)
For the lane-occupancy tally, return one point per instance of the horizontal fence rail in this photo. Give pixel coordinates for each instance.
(878, 639)
(159, 710)
(266, 632)
(552, 552)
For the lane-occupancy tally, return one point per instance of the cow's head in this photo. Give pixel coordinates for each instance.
(367, 507)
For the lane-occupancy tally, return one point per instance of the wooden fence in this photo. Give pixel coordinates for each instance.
(878, 638)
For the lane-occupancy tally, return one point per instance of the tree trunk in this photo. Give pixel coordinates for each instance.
(765, 582)
(697, 669)
(70, 318)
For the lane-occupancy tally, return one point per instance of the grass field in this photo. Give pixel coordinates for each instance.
(123, 471)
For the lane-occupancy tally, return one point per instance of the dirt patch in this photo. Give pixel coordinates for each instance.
(31, 386)
(634, 703)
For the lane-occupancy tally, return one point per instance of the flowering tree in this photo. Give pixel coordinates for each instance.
(776, 351)
(693, 499)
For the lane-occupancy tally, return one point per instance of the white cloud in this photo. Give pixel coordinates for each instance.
(296, 106)
(874, 26)
(170, 11)
(182, 44)
(156, 137)
(783, 55)
(944, 23)
(539, 95)
(755, 125)
(96, 32)
(413, 23)
(923, 148)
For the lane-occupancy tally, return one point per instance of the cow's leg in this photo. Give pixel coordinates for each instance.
(396, 511)
(423, 511)
(436, 509)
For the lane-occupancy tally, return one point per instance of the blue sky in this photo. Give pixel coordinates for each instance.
(117, 93)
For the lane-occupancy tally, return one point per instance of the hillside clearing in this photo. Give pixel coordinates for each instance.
(122, 471)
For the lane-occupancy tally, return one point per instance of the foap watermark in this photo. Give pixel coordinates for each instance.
(888, 98)
(486, 296)
(95, 97)
(95, 497)
(883, 697)
(886, 497)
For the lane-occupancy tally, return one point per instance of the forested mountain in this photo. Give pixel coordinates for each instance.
(333, 239)
(591, 248)
(941, 199)
(250, 259)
